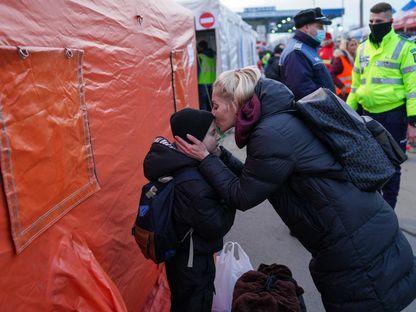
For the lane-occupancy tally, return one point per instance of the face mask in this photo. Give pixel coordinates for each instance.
(320, 35)
(378, 31)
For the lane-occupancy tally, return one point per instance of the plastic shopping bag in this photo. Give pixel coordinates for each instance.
(230, 264)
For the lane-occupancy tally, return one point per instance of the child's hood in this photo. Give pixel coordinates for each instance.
(164, 159)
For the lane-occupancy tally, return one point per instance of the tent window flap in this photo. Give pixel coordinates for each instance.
(46, 159)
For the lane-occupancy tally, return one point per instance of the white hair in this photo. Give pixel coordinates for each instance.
(238, 85)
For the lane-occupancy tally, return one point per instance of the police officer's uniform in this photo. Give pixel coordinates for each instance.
(384, 84)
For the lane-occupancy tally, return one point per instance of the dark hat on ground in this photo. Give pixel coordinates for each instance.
(310, 16)
(191, 121)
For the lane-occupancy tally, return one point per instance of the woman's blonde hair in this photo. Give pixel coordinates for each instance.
(345, 42)
(237, 85)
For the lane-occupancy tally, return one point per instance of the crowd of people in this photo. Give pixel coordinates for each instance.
(361, 261)
(364, 79)
(338, 57)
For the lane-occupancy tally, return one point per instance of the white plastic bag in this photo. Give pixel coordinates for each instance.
(230, 264)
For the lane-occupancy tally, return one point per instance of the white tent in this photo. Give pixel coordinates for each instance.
(232, 38)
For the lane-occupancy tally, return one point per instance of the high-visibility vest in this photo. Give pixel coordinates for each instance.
(346, 75)
(384, 76)
(207, 69)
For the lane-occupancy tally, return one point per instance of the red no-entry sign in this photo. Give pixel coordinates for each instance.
(207, 20)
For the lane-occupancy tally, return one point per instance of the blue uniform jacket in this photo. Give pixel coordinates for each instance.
(301, 68)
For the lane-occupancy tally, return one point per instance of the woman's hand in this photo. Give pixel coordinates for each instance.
(197, 150)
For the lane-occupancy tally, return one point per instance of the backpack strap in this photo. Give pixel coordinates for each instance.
(191, 247)
(180, 177)
(290, 110)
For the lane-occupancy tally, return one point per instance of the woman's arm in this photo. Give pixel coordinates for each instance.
(234, 164)
(268, 165)
(208, 216)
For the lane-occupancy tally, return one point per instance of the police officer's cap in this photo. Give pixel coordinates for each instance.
(310, 16)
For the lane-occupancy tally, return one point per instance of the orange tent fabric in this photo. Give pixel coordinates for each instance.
(81, 101)
(47, 161)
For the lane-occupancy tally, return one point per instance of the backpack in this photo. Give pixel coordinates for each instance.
(365, 149)
(153, 229)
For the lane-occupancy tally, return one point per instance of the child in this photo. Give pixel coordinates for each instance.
(197, 207)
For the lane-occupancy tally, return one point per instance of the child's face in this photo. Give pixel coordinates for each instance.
(211, 138)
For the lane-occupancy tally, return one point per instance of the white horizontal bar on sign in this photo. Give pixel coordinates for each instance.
(207, 20)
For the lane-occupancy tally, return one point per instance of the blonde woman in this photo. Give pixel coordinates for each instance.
(361, 261)
(342, 66)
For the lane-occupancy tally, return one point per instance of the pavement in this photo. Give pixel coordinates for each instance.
(266, 239)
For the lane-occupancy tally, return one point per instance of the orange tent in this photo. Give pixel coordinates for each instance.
(85, 87)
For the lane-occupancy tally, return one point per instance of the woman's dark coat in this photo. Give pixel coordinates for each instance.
(361, 260)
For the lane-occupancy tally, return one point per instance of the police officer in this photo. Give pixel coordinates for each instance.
(301, 68)
(206, 74)
(384, 84)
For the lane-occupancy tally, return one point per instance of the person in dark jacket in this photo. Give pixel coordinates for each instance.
(301, 68)
(361, 261)
(197, 207)
(272, 70)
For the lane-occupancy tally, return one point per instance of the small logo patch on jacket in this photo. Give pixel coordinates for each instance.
(163, 141)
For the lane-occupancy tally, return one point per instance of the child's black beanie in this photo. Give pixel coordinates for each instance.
(191, 121)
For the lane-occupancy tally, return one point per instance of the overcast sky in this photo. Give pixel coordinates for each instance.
(351, 6)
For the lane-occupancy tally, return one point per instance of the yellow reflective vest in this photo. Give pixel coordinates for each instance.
(384, 76)
(207, 69)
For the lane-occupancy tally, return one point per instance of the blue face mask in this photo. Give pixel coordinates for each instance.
(320, 35)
